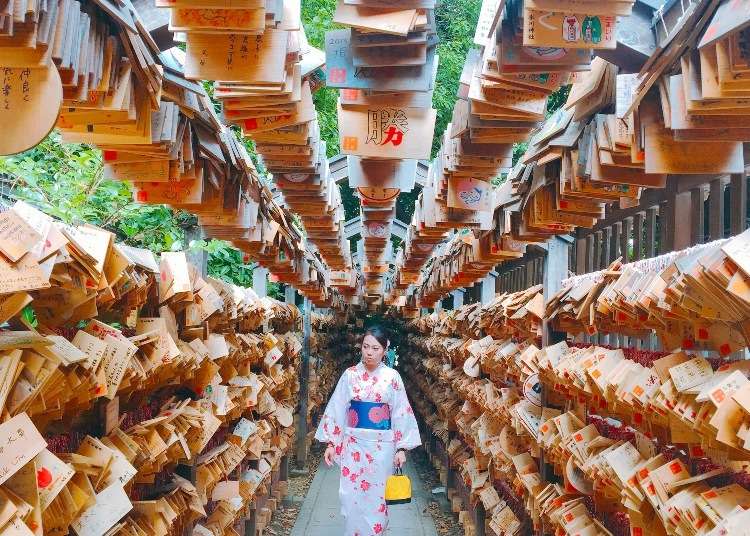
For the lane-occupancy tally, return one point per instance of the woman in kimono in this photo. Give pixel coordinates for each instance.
(368, 425)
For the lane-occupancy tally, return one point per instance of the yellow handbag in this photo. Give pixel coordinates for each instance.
(398, 488)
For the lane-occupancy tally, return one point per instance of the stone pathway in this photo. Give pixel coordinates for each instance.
(319, 515)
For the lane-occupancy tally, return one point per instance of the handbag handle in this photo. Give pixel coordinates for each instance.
(398, 471)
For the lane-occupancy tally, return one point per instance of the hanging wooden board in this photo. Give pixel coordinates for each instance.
(28, 106)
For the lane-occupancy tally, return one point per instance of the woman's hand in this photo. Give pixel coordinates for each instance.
(330, 455)
(399, 459)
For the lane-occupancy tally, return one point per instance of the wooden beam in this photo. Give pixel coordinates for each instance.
(738, 204)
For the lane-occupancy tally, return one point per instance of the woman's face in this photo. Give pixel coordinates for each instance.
(372, 351)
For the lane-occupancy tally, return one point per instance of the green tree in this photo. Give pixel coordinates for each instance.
(66, 180)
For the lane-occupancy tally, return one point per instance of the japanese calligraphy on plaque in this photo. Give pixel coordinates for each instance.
(29, 104)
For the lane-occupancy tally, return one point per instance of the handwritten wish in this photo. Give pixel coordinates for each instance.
(20, 442)
(112, 503)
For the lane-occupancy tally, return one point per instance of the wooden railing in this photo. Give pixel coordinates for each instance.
(690, 211)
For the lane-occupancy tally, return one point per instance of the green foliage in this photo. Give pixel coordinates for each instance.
(325, 102)
(317, 18)
(275, 291)
(557, 99)
(554, 102)
(29, 316)
(456, 22)
(226, 263)
(518, 150)
(66, 181)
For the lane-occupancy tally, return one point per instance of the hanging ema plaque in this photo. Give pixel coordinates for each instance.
(29, 105)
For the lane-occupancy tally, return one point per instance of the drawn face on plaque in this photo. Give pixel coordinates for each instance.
(469, 194)
(376, 230)
(378, 195)
(544, 53)
(296, 177)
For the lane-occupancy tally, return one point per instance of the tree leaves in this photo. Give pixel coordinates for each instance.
(65, 181)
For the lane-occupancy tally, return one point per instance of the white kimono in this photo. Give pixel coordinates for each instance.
(365, 456)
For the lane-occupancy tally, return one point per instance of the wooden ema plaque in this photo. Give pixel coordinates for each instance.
(29, 105)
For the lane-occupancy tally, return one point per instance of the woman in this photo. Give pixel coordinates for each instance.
(368, 425)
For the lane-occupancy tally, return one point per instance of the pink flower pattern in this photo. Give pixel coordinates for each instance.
(353, 418)
(378, 414)
(365, 457)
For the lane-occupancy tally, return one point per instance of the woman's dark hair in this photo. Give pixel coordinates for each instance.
(379, 333)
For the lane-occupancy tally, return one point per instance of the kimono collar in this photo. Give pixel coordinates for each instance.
(362, 368)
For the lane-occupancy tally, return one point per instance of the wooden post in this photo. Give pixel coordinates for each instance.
(614, 242)
(677, 223)
(638, 229)
(650, 250)
(284, 468)
(480, 518)
(597, 251)
(251, 521)
(196, 256)
(664, 245)
(627, 229)
(108, 414)
(589, 260)
(290, 295)
(487, 292)
(450, 474)
(738, 204)
(716, 210)
(519, 279)
(260, 281)
(304, 386)
(697, 211)
(581, 251)
(606, 239)
(555, 270)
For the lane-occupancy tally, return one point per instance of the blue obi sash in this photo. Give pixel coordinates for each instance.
(370, 415)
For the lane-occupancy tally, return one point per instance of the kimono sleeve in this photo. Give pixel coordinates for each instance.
(331, 427)
(403, 422)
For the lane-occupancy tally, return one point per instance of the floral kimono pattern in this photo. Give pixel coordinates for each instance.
(365, 456)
